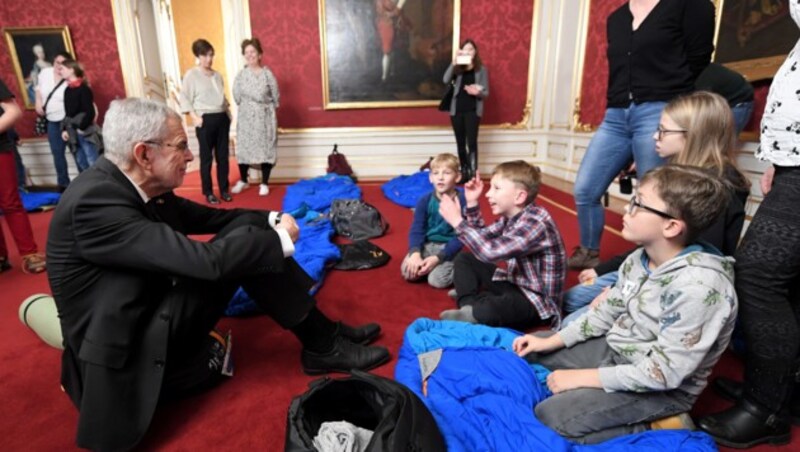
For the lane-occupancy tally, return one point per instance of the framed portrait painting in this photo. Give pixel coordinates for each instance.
(386, 53)
(754, 36)
(33, 49)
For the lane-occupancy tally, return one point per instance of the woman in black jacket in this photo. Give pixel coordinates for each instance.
(78, 128)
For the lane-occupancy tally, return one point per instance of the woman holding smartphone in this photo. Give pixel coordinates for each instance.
(470, 80)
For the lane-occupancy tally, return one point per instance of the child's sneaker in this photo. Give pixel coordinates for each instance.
(33, 263)
(238, 187)
(263, 190)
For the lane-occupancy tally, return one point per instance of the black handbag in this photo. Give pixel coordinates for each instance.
(400, 421)
(361, 255)
(40, 125)
(444, 105)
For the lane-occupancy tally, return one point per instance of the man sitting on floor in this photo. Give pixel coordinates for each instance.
(137, 298)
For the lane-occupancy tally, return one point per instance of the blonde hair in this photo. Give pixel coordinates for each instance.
(522, 173)
(446, 160)
(693, 195)
(710, 131)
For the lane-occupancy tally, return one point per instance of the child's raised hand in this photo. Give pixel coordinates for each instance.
(473, 190)
(450, 210)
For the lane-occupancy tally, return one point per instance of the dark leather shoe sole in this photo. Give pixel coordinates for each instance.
(776, 440)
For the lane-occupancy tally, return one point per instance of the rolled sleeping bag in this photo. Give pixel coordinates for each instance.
(38, 312)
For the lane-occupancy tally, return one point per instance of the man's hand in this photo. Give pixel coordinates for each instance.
(197, 120)
(287, 223)
(473, 190)
(567, 379)
(428, 264)
(530, 343)
(450, 210)
(766, 180)
(414, 264)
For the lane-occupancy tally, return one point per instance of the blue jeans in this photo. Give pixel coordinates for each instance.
(59, 148)
(741, 115)
(624, 134)
(86, 154)
(577, 299)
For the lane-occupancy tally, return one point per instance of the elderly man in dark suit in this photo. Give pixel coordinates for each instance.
(137, 297)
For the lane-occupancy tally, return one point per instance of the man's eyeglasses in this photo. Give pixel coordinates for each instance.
(661, 132)
(180, 147)
(636, 204)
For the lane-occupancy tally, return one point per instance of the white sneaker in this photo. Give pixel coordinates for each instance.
(263, 190)
(238, 187)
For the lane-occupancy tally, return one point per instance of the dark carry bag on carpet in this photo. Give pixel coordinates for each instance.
(361, 255)
(337, 163)
(357, 220)
(396, 416)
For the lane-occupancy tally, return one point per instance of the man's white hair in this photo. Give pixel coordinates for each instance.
(130, 121)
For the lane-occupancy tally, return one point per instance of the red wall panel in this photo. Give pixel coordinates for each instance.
(91, 25)
(289, 32)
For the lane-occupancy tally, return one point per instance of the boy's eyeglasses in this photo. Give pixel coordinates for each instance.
(635, 204)
(660, 132)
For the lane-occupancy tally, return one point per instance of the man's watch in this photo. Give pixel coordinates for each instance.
(278, 218)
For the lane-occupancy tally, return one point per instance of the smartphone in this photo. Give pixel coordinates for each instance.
(465, 60)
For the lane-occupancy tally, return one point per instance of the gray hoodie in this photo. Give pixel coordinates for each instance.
(669, 326)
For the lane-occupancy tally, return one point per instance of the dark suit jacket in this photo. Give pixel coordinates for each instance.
(111, 262)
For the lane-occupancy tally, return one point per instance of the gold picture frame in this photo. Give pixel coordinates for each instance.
(753, 38)
(32, 49)
(376, 56)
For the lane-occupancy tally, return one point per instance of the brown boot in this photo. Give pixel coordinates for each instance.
(583, 258)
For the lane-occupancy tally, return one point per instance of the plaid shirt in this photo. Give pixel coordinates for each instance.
(532, 248)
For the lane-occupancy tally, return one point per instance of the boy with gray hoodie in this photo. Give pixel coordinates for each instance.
(645, 352)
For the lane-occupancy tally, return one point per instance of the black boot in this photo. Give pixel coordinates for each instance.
(730, 389)
(466, 173)
(746, 425)
(473, 163)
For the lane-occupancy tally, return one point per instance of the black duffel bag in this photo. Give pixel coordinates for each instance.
(356, 219)
(396, 416)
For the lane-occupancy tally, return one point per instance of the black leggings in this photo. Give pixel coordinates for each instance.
(768, 287)
(266, 169)
(465, 127)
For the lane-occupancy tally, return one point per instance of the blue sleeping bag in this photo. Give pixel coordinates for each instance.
(36, 200)
(406, 190)
(318, 193)
(482, 395)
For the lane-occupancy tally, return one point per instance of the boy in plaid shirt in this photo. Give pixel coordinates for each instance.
(525, 239)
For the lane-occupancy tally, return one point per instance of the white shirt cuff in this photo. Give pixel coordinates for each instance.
(286, 242)
(273, 218)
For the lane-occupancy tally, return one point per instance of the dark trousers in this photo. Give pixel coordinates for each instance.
(465, 127)
(213, 140)
(198, 306)
(590, 415)
(495, 303)
(768, 287)
(266, 169)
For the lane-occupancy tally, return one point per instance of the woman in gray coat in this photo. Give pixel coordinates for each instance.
(255, 91)
(470, 80)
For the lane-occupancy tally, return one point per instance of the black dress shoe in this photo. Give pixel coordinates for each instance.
(746, 425)
(212, 199)
(363, 334)
(344, 357)
(731, 389)
(226, 197)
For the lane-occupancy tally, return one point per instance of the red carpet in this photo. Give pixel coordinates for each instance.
(249, 411)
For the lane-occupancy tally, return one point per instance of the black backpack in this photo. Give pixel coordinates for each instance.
(398, 418)
(361, 255)
(357, 220)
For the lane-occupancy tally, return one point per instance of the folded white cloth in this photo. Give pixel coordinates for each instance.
(341, 436)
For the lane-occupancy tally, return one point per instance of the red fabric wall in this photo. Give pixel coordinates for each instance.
(91, 25)
(289, 32)
(595, 73)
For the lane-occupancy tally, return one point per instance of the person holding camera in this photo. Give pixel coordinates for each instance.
(470, 80)
(656, 51)
(695, 130)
